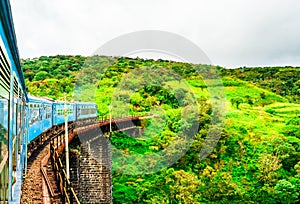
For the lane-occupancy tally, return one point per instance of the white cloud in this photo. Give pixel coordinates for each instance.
(231, 32)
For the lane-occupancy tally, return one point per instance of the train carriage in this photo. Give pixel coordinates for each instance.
(85, 110)
(40, 118)
(59, 109)
(13, 123)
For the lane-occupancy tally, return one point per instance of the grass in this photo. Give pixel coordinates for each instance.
(257, 123)
(283, 111)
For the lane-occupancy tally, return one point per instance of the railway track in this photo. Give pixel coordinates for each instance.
(39, 185)
(54, 192)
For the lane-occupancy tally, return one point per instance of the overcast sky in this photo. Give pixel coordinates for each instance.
(232, 33)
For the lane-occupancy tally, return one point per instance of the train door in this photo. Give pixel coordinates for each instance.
(47, 115)
(53, 114)
(17, 122)
(75, 111)
(20, 126)
(25, 137)
(17, 125)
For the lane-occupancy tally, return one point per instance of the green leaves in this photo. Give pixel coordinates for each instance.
(287, 192)
(236, 101)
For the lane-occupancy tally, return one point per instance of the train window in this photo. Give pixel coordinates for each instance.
(40, 114)
(19, 124)
(33, 116)
(19, 116)
(60, 112)
(15, 119)
(23, 122)
(3, 143)
(48, 112)
(70, 111)
(15, 131)
(3, 132)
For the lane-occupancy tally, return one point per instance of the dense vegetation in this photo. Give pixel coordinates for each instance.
(280, 80)
(257, 159)
(51, 76)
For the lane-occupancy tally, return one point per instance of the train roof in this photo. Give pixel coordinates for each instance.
(74, 102)
(84, 103)
(44, 99)
(35, 99)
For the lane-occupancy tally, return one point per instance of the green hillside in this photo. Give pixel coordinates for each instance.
(280, 80)
(256, 160)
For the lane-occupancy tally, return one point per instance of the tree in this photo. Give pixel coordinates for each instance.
(183, 187)
(41, 76)
(262, 95)
(286, 192)
(268, 165)
(249, 100)
(236, 101)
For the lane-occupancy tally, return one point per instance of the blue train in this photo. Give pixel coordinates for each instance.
(24, 119)
(47, 113)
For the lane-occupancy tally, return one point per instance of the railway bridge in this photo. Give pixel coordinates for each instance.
(90, 179)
